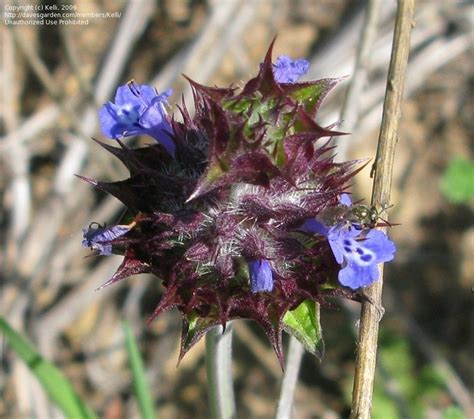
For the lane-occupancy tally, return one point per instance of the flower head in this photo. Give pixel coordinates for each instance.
(138, 109)
(287, 70)
(219, 222)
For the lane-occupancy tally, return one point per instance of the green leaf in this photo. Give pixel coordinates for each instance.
(303, 324)
(263, 110)
(457, 183)
(140, 385)
(309, 95)
(54, 383)
(237, 106)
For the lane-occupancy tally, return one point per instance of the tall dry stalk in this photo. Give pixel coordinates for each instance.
(372, 307)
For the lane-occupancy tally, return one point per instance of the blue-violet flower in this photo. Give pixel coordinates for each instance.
(261, 277)
(100, 238)
(138, 109)
(287, 70)
(358, 250)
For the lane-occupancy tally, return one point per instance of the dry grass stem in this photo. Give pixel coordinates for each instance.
(370, 312)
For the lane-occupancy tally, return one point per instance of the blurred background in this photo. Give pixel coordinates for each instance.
(53, 80)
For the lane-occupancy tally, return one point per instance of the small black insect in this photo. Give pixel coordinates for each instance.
(366, 216)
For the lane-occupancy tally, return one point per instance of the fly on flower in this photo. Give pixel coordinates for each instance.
(367, 217)
(356, 246)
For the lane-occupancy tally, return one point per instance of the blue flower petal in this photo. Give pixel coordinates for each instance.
(125, 95)
(287, 70)
(345, 199)
(145, 93)
(355, 276)
(108, 120)
(379, 243)
(261, 276)
(156, 125)
(117, 122)
(341, 240)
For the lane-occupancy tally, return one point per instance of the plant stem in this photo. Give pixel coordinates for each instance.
(288, 386)
(219, 372)
(371, 307)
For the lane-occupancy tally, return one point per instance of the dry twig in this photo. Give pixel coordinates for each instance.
(370, 312)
